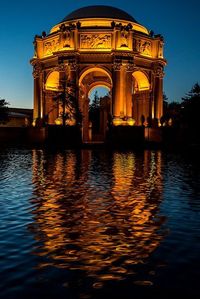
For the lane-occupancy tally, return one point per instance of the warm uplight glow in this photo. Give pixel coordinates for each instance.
(34, 123)
(52, 82)
(142, 80)
(71, 122)
(94, 69)
(102, 23)
(58, 121)
(117, 121)
(130, 121)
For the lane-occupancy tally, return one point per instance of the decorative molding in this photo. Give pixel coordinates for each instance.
(37, 70)
(130, 67)
(117, 65)
(158, 71)
(95, 41)
(51, 46)
(143, 47)
(73, 66)
(124, 35)
(63, 67)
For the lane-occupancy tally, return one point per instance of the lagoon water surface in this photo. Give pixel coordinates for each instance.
(99, 224)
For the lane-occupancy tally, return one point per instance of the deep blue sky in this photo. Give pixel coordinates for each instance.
(177, 20)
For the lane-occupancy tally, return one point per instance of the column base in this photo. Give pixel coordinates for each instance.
(117, 121)
(130, 121)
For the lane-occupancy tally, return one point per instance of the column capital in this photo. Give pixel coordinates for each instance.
(130, 67)
(158, 71)
(37, 70)
(117, 66)
(63, 67)
(73, 66)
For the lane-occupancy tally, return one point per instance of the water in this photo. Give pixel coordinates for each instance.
(99, 224)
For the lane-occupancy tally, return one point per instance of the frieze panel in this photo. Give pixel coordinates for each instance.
(51, 46)
(95, 41)
(124, 35)
(143, 47)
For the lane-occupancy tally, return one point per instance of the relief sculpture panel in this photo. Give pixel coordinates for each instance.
(95, 41)
(51, 46)
(143, 47)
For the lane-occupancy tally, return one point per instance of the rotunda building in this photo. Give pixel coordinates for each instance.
(99, 46)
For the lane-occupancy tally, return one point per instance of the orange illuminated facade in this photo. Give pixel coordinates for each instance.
(100, 46)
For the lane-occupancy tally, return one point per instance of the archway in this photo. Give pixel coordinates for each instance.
(52, 82)
(99, 111)
(52, 87)
(90, 80)
(141, 98)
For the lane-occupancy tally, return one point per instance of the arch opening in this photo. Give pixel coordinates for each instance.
(95, 84)
(52, 82)
(141, 81)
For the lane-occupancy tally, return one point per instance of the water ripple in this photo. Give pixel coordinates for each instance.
(96, 218)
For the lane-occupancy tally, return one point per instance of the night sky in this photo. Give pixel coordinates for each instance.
(177, 20)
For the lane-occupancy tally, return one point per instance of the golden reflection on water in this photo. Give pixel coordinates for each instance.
(97, 212)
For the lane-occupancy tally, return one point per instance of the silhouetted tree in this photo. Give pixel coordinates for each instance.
(3, 111)
(191, 107)
(165, 102)
(171, 112)
(69, 102)
(94, 112)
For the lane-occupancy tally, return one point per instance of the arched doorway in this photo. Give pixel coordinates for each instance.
(52, 87)
(99, 111)
(142, 110)
(90, 79)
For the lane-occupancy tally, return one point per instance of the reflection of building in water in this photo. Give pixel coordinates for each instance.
(92, 218)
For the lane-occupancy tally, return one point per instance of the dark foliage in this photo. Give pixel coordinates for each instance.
(3, 111)
(94, 113)
(70, 106)
(191, 107)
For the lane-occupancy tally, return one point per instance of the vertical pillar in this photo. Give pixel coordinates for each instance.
(158, 93)
(159, 106)
(36, 110)
(116, 93)
(119, 93)
(37, 75)
(158, 98)
(86, 125)
(41, 97)
(122, 95)
(129, 95)
(73, 77)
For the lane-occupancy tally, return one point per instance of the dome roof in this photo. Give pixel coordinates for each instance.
(99, 11)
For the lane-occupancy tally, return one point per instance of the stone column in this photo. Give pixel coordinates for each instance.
(128, 95)
(122, 97)
(158, 92)
(36, 111)
(41, 97)
(73, 67)
(116, 93)
(37, 91)
(86, 125)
